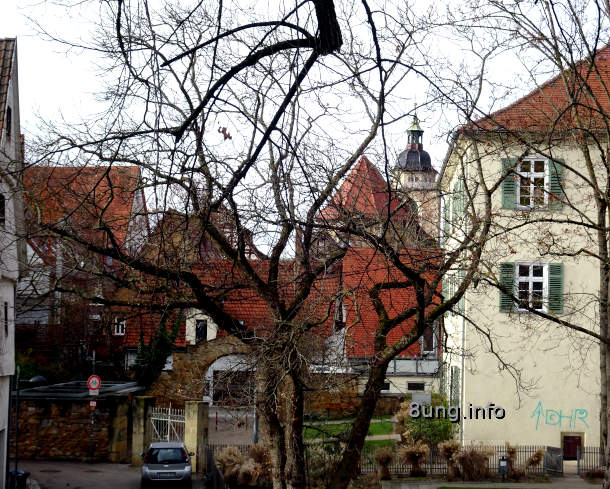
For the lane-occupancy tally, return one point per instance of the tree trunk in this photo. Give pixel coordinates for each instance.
(271, 428)
(295, 450)
(346, 468)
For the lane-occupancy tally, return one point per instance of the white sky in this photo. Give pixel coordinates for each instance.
(56, 84)
(52, 82)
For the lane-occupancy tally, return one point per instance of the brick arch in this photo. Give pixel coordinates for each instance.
(185, 382)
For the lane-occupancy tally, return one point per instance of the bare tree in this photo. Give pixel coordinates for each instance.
(247, 128)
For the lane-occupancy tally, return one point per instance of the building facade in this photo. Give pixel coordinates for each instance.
(541, 266)
(11, 228)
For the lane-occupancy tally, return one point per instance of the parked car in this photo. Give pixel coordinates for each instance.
(165, 462)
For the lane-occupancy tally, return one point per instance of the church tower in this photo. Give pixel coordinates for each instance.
(416, 177)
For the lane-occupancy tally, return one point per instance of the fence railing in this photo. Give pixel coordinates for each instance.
(435, 465)
(167, 424)
(590, 458)
(214, 449)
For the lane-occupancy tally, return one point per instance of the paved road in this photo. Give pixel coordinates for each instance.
(74, 475)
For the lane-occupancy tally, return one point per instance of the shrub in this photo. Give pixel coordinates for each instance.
(448, 449)
(238, 470)
(429, 430)
(229, 462)
(415, 455)
(384, 457)
(472, 463)
(260, 455)
(321, 458)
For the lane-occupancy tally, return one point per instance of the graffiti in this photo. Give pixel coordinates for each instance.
(554, 417)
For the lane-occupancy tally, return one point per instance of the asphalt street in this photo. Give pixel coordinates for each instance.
(74, 475)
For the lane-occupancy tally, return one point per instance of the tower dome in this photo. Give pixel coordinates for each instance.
(414, 163)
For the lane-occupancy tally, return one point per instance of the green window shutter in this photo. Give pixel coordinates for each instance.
(556, 175)
(555, 274)
(507, 280)
(447, 223)
(509, 184)
(460, 304)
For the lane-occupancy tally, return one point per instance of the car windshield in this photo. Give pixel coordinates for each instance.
(165, 456)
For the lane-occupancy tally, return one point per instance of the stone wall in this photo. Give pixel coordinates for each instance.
(333, 396)
(60, 430)
(185, 382)
(341, 399)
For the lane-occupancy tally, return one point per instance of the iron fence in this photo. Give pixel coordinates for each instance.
(167, 424)
(435, 464)
(590, 458)
(215, 449)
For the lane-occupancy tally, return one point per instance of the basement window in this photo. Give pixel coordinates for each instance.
(415, 386)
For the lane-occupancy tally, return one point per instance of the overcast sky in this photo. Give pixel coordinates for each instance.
(55, 83)
(51, 81)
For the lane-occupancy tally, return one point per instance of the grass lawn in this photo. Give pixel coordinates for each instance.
(330, 430)
(321, 419)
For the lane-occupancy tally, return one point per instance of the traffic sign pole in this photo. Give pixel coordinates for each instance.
(93, 383)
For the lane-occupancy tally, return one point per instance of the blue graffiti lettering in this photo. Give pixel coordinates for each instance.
(556, 417)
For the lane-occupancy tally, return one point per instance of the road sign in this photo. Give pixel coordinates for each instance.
(94, 383)
(92, 404)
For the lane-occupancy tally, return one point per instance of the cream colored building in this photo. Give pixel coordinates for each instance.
(545, 376)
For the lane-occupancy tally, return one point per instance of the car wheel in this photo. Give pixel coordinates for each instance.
(144, 484)
(188, 484)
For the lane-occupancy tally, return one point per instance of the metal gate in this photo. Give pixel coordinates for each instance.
(553, 460)
(167, 424)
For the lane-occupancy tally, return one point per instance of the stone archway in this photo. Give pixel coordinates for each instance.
(186, 380)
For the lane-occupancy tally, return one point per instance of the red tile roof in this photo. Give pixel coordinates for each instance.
(83, 197)
(7, 53)
(549, 108)
(241, 300)
(364, 192)
(362, 268)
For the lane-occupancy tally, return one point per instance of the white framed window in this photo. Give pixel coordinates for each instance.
(533, 183)
(119, 326)
(530, 284)
(428, 342)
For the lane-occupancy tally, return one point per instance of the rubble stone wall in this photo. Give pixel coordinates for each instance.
(60, 430)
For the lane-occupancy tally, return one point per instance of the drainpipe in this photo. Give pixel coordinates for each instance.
(463, 377)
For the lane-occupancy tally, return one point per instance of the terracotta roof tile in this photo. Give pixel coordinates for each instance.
(548, 107)
(363, 192)
(362, 268)
(243, 302)
(82, 197)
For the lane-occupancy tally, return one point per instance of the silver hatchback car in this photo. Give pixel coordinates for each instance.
(165, 462)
